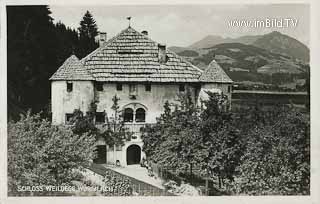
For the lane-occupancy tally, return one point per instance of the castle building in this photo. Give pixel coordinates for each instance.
(142, 73)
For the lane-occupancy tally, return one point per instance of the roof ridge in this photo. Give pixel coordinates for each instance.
(66, 65)
(105, 45)
(212, 69)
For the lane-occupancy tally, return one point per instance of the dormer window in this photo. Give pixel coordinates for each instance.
(99, 86)
(69, 86)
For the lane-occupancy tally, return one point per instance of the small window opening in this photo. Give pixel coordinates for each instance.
(69, 86)
(99, 86)
(148, 87)
(181, 88)
(68, 117)
(100, 117)
(119, 87)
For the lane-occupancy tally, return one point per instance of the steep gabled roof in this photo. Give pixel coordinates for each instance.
(132, 56)
(72, 69)
(214, 73)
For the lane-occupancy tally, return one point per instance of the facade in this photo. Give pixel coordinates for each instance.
(142, 73)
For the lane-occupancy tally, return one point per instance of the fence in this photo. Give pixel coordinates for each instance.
(197, 178)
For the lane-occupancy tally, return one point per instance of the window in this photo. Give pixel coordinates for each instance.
(99, 86)
(148, 87)
(140, 115)
(68, 117)
(100, 117)
(128, 115)
(229, 89)
(181, 88)
(119, 87)
(69, 86)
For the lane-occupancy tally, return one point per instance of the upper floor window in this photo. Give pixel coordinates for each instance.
(181, 88)
(128, 115)
(229, 89)
(140, 115)
(148, 87)
(132, 91)
(69, 86)
(100, 117)
(99, 86)
(119, 87)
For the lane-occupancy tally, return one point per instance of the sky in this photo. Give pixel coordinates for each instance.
(182, 25)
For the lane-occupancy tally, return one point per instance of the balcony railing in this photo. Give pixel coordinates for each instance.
(135, 129)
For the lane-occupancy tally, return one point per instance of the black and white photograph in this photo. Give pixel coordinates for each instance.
(168, 100)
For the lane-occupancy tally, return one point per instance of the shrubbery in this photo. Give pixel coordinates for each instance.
(42, 154)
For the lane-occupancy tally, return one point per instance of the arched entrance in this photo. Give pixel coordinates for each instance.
(133, 154)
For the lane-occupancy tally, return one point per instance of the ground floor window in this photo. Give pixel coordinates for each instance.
(68, 117)
(100, 117)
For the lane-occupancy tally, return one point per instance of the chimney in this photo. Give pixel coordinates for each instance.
(162, 53)
(144, 32)
(102, 38)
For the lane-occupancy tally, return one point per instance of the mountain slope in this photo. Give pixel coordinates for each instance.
(274, 42)
(212, 40)
(279, 43)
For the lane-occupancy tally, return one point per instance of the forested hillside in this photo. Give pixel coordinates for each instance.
(36, 48)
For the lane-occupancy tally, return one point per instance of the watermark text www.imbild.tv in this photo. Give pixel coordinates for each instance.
(264, 23)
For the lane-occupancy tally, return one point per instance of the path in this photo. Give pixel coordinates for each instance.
(138, 172)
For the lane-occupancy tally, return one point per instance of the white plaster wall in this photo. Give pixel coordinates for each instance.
(153, 100)
(113, 156)
(222, 87)
(64, 102)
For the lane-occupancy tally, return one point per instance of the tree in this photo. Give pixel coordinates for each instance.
(88, 30)
(36, 49)
(221, 138)
(174, 141)
(115, 131)
(277, 157)
(41, 154)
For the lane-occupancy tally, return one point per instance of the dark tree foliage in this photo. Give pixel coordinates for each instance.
(88, 30)
(186, 138)
(32, 56)
(277, 156)
(36, 49)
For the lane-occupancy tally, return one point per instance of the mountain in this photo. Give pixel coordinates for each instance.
(208, 41)
(275, 42)
(279, 43)
(248, 63)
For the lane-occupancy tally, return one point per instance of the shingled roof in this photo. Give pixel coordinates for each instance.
(72, 69)
(131, 56)
(214, 73)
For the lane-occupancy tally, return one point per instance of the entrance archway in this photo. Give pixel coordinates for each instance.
(133, 154)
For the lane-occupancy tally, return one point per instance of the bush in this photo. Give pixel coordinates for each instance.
(41, 154)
